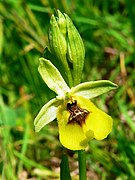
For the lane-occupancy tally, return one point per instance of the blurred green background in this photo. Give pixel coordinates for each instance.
(108, 31)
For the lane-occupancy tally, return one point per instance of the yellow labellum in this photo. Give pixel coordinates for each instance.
(96, 125)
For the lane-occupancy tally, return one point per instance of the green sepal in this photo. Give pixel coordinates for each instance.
(94, 88)
(52, 77)
(46, 114)
(76, 50)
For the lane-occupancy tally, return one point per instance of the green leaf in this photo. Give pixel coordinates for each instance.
(1, 35)
(94, 88)
(46, 114)
(8, 115)
(52, 77)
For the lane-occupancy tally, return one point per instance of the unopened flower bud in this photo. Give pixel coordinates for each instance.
(62, 23)
(57, 41)
(76, 51)
(66, 44)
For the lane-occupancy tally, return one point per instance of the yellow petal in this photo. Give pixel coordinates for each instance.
(74, 136)
(71, 135)
(97, 121)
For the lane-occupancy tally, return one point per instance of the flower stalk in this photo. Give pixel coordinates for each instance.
(64, 168)
(82, 164)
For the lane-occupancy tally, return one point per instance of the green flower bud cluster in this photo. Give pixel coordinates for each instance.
(66, 45)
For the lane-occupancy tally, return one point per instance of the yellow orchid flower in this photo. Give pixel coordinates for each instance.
(79, 120)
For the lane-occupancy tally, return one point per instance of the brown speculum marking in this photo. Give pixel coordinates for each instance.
(77, 114)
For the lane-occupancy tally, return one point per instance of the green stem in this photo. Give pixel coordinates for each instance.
(64, 168)
(82, 165)
(67, 72)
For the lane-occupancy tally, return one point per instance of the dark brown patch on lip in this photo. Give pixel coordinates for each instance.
(77, 114)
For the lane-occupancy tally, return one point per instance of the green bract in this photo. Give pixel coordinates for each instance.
(57, 108)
